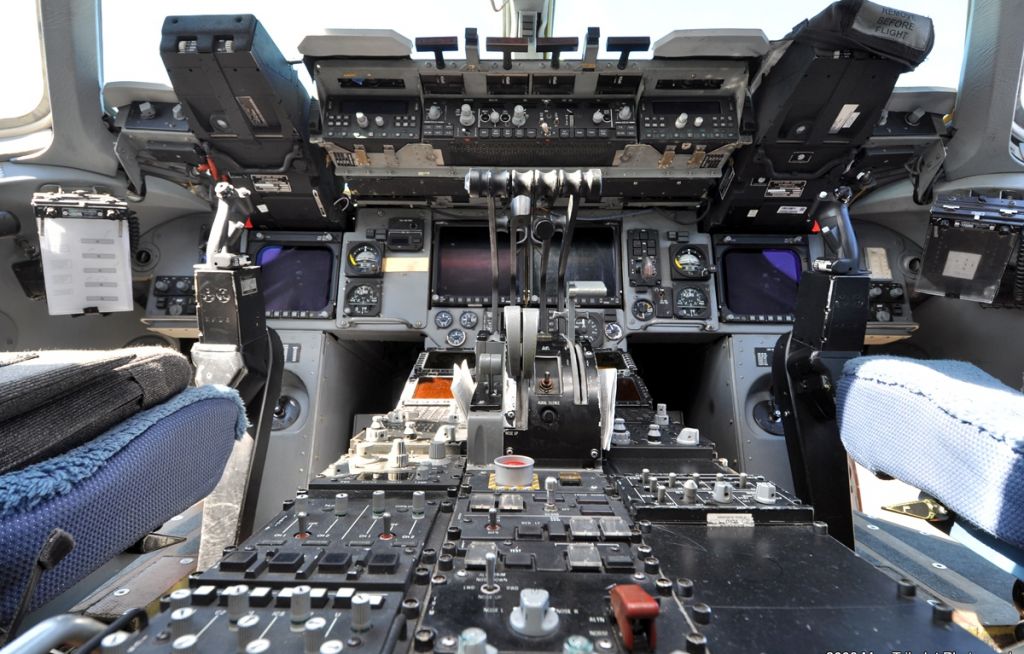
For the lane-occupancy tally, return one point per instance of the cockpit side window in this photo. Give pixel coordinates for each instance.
(1017, 127)
(24, 103)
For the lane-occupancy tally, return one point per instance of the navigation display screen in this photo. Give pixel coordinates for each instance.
(296, 278)
(594, 258)
(761, 281)
(463, 262)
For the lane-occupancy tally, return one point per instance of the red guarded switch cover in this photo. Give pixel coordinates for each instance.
(635, 612)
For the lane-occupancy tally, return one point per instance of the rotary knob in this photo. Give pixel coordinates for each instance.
(434, 112)
(494, 116)
(534, 615)
(362, 120)
(598, 117)
(625, 112)
(518, 115)
(378, 121)
(466, 117)
(681, 120)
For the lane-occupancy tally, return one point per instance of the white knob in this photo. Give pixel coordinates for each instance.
(466, 116)
(361, 619)
(341, 504)
(248, 630)
(378, 121)
(764, 492)
(362, 120)
(698, 121)
(434, 112)
(238, 601)
(115, 643)
(519, 116)
(495, 116)
(534, 616)
(419, 503)
(302, 604)
(625, 113)
(689, 491)
(681, 120)
(653, 432)
(598, 117)
(661, 415)
(722, 492)
(473, 641)
(313, 635)
(688, 436)
(378, 503)
(181, 621)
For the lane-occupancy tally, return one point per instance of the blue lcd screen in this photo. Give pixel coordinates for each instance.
(296, 278)
(761, 281)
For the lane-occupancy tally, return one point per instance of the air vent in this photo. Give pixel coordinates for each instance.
(689, 84)
(443, 84)
(370, 83)
(617, 84)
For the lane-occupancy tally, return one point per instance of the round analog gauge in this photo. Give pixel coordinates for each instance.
(691, 302)
(443, 319)
(643, 310)
(362, 299)
(690, 263)
(364, 259)
(589, 328)
(468, 319)
(456, 338)
(612, 331)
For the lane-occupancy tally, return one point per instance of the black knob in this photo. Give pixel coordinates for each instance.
(421, 576)
(445, 562)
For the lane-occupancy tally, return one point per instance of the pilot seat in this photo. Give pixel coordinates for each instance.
(97, 449)
(949, 429)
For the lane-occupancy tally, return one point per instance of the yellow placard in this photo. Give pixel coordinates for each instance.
(406, 264)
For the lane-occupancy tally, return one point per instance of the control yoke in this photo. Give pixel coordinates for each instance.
(837, 231)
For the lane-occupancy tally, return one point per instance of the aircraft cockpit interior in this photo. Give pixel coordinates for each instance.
(395, 334)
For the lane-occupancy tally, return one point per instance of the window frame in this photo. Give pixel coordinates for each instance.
(38, 119)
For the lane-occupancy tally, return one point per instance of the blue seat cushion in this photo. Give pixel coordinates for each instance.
(945, 427)
(113, 490)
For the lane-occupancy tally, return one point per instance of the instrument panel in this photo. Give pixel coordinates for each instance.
(410, 274)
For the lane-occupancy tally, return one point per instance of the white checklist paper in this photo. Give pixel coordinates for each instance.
(86, 265)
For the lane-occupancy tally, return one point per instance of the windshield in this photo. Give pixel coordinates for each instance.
(131, 29)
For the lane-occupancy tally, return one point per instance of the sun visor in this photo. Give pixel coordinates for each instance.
(895, 34)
